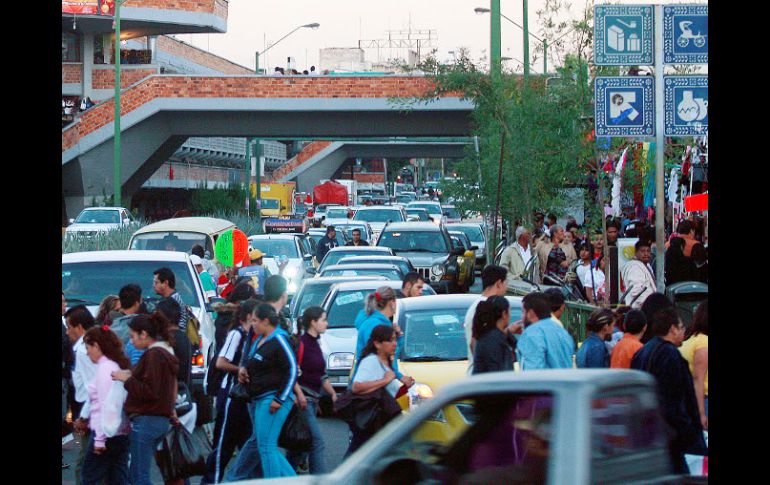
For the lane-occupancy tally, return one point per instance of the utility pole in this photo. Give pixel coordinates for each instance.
(116, 137)
(495, 53)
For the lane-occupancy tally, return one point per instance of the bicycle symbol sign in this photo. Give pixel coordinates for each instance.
(685, 34)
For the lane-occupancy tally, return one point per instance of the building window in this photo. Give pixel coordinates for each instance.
(98, 50)
(70, 47)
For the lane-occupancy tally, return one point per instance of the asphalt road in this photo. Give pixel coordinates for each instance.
(335, 434)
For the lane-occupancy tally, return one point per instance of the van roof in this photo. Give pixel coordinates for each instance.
(208, 225)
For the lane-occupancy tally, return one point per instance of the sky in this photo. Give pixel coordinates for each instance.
(344, 22)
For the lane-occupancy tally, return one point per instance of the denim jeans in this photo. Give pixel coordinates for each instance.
(317, 460)
(247, 463)
(146, 434)
(111, 467)
(267, 428)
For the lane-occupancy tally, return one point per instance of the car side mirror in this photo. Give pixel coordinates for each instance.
(72, 221)
(473, 248)
(308, 256)
(311, 271)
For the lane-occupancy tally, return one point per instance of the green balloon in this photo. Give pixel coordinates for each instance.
(223, 250)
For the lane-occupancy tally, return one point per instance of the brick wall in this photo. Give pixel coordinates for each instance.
(217, 7)
(105, 78)
(249, 87)
(72, 73)
(369, 178)
(307, 152)
(199, 56)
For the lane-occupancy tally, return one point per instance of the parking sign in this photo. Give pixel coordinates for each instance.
(625, 106)
(623, 35)
(686, 100)
(685, 34)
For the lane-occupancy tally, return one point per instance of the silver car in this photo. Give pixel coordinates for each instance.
(478, 237)
(296, 248)
(342, 305)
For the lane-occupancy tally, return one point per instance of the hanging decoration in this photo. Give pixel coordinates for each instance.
(617, 183)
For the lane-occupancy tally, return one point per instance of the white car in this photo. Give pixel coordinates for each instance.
(433, 208)
(378, 216)
(93, 220)
(296, 248)
(87, 277)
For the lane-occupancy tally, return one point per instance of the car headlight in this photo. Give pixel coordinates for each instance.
(340, 360)
(290, 272)
(437, 269)
(418, 394)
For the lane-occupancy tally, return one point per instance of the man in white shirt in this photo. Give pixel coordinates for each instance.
(79, 320)
(493, 281)
(516, 257)
(638, 276)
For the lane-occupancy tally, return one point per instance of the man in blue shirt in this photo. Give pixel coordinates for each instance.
(593, 353)
(544, 344)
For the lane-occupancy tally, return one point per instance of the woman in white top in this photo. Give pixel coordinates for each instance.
(591, 274)
(375, 372)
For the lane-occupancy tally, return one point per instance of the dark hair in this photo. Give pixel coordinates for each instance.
(620, 315)
(552, 217)
(166, 275)
(588, 246)
(79, 316)
(641, 243)
(488, 312)
(634, 321)
(310, 314)
(571, 224)
(656, 301)
(684, 227)
(356, 230)
(700, 320)
(266, 311)
(599, 318)
(613, 222)
(411, 277)
(275, 286)
(330, 229)
(538, 302)
(170, 309)
(242, 291)
(156, 325)
(556, 298)
(246, 308)
(110, 345)
(663, 320)
(198, 250)
(380, 333)
(491, 274)
(129, 295)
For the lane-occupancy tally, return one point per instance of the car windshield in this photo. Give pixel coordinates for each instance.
(473, 232)
(391, 274)
(336, 213)
(425, 241)
(317, 236)
(380, 215)
(333, 256)
(88, 283)
(437, 334)
(403, 265)
(431, 208)
(345, 308)
(349, 231)
(170, 241)
(421, 213)
(98, 217)
(451, 213)
(310, 295)
(276, 247)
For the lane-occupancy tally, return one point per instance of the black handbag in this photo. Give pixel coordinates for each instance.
(295, 434)
(239, 392)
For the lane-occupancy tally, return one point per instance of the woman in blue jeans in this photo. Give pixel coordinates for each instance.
(272, 372)
(152, 389)
(312, 378)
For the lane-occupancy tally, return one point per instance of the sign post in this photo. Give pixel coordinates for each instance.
(660, 150)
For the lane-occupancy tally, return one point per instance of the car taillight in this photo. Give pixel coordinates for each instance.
(197, 360)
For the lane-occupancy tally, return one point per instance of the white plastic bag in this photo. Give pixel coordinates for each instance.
(114, 418)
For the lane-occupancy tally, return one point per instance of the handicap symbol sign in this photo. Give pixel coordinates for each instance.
(623, 35)
(686, 102)
(685, 34)
(625, 106)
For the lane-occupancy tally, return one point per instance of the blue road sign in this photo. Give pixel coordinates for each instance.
(686, 101)
(623, 35)
(625, 106)
(685, 34)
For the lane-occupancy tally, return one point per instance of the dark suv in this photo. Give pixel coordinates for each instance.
(428, 247)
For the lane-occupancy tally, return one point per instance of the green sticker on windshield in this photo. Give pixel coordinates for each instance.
(350, 298)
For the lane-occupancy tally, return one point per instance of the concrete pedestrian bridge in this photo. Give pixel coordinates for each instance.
(160, 112)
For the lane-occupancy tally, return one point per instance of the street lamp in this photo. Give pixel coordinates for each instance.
(482, 10)
(314, 25)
